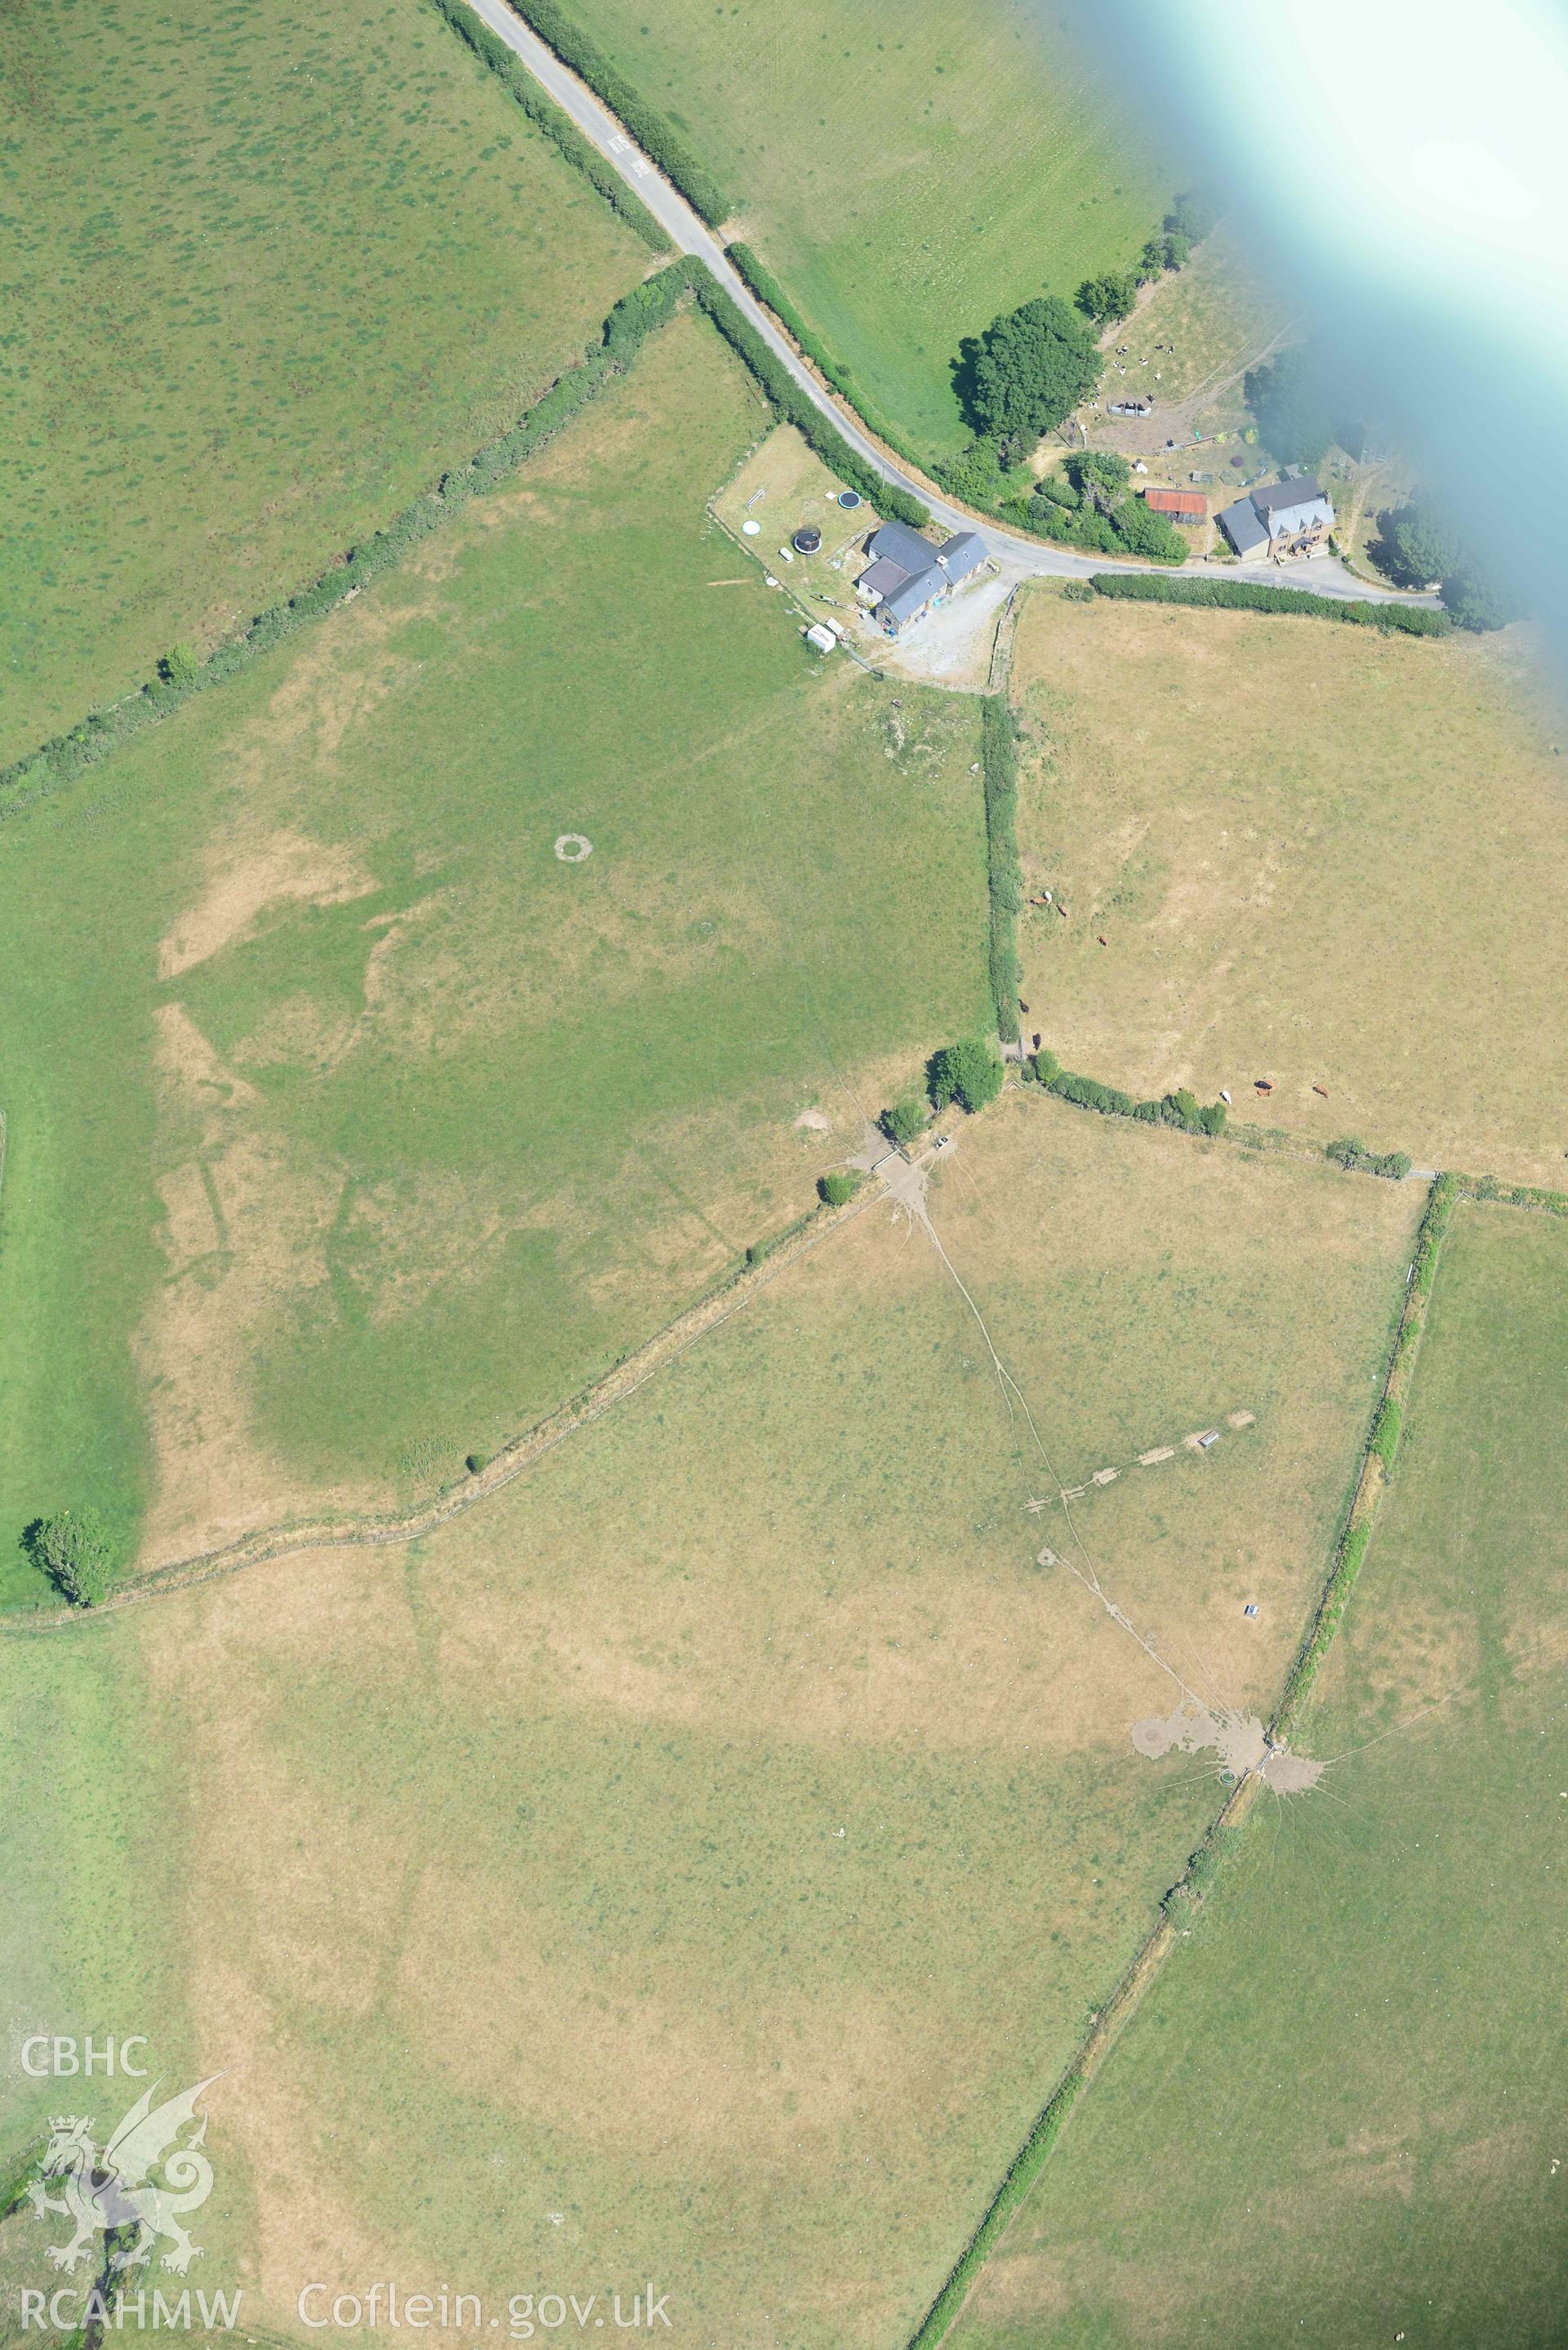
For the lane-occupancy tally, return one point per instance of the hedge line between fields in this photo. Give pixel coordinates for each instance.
(552, 120)
(61, 760)
(1005, 876)
(1249, 595)
(793, 404)
(1025, 2168)
(1382, 1446)
(1181, 1109)
(66, 756)
(1512, 1195)
(767, 289)
(653, 132)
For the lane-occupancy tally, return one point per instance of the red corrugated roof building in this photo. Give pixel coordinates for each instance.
(1180, 506)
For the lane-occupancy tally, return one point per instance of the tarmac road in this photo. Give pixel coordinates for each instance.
(1019, 559)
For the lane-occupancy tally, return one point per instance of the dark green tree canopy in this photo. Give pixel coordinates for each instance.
(1192, 215)
(968, 1073)
(76, 1550)
(1029, 369)
(1416, 544)
(904, 1120)
(1421, 541)
(1292, 403)
(1111, 295)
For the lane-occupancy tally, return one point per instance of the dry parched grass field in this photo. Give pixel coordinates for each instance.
(360, 1127)
(699, 1863)
(1337, 2117)
(1317, 856)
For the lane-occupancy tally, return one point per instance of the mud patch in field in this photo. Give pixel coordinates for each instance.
(1238, 1740)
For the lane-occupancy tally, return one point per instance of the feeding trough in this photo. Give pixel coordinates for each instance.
(807, 539)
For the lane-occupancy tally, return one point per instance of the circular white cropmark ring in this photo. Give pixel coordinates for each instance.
(573, 846)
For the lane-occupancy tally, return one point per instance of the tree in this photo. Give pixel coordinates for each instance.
(1171, 251)
(76, 1551)
(1110, 295)
(1416, 544)
(837, 1189)
(1192, 215)
(1478, 603)
(968, 1073)
(1029, 369)
(1152, 534)
(1099, 475)
(1290, 400)
(179, 665)
(904, 1120)
(1419, 542)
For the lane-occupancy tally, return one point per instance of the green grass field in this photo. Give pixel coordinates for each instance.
(720, 1838)
(356, 1130)
(905, 178)
(274, 267)
(1336, 2119)
(1317, 856)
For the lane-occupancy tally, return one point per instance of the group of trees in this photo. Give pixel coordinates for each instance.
(1353, 1155)
(1293, 402)
(1113, 294)
(1090, 504)
(1028, 372)
(1420, 542)
(968, 1073)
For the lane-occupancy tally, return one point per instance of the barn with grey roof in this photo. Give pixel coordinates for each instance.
(907, 575)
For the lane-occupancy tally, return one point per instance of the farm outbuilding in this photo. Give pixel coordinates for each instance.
(907, 575)
(1177, 506)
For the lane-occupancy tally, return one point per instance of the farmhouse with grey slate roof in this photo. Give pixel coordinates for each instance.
(907, 575)
(1281, 519)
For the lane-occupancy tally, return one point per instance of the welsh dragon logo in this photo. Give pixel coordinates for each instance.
(117, 2188)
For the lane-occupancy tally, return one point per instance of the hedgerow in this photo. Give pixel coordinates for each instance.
(1382, 1445)
(999, 754)
(793, 404)
(767, 289)
(556, 125)
(1024, 2169)
(1355, 1158)
(630, 321)
(67, 756)
(1181, 1108)
(653, 132)
(1385, 1427)
(1251, 596)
